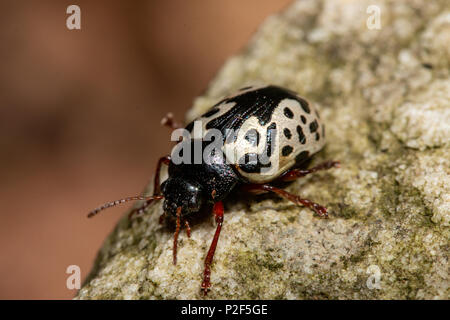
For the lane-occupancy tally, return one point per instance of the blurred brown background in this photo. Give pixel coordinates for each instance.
(80, 117)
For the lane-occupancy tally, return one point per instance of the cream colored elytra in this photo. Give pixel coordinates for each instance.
(292, 133)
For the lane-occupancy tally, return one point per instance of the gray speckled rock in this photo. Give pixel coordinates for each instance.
(385, 98)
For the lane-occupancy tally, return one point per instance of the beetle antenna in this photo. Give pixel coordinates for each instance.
(120, 201)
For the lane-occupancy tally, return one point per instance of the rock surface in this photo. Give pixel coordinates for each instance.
(384, 95)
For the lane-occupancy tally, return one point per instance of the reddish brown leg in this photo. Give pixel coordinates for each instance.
(177, 232)
(188, 228)
(175, 236)
(261, 188)
(293, 174)
(218, 213)
(168, 121)
(156, 189)
(156, 184)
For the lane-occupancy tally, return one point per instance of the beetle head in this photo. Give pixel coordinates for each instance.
(179, 192)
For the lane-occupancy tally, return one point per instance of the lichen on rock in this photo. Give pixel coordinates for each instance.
(384, 97)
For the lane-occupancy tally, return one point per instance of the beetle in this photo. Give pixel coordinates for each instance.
(271, 132)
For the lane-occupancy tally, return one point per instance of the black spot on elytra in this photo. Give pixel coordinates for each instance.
(313, 126)
(301, 135)
(288, 113)
(249, 163)
(244, 88)
(211, 112)
(287, 150)
(270, 139)
(252, 136)
(317, 136)
(301, 157)
(304, 104)
(303, 119)
(190, 126)
(287, 133)
(323, 130)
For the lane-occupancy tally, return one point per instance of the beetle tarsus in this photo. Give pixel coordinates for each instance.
(258, 188)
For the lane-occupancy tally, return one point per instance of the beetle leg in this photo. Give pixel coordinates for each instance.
(156, 189)
(188, 228)
(218, 213)
(293, 174)
(168, 121)
(175, 236)
(156, 184)
(261, 188)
